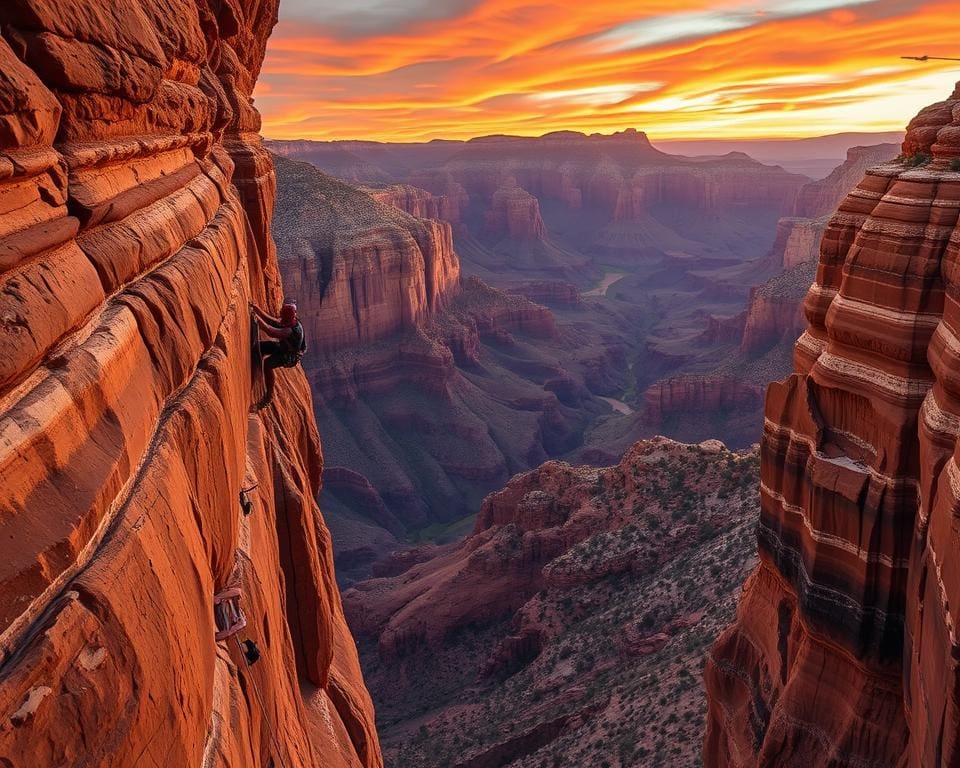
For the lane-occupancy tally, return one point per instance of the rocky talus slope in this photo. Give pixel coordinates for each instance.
(570, 628)
(844, 651)
(135, 205)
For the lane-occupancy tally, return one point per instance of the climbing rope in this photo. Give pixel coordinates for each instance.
(263, 709)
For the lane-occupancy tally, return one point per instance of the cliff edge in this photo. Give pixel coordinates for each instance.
(844, 651)
(135, 206)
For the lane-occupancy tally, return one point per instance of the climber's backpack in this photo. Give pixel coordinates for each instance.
(296, 344)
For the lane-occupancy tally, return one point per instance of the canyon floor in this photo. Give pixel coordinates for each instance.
(570, 628)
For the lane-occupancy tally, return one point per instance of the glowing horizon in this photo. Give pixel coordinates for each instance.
(406, 70)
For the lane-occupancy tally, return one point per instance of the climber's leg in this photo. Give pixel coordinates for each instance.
(272, 359)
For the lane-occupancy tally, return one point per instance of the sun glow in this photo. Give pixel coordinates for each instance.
(685, 68)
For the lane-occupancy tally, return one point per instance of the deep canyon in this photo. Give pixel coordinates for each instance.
(514, 300)
(521, 353)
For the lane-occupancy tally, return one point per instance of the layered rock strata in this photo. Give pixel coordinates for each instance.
(844, 651)
(135, 204)
(431, 389)
(799, 234)
(775, 313)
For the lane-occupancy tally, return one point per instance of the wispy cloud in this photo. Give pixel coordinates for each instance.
(418, 69)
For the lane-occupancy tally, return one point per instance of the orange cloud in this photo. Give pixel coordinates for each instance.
(684, 68)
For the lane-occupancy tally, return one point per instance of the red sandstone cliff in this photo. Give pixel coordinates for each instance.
(361, 271)
(448, 205)
(844, 651)
(135, 204)
(514, 213)
(775, 312)
(799, 234)
(690, 404)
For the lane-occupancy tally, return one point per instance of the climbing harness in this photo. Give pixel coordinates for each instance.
(227, 614)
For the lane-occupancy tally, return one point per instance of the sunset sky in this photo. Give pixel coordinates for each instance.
(402, 70)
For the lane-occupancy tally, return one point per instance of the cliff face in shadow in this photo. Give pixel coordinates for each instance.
(135, 205)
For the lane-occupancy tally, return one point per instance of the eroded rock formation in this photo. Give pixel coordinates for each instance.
(689, 404)
(844, 651)
(551, 634)
(799, 234)
(775, 313)
(135, 204)
(431, 389)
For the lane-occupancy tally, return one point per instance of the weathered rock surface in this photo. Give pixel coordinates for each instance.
(687, 404)
(514, 213)
(135, 201)
(844, 651)
(362, 271)
(798, 240)
(448, 205)
(555, 631)
(800, 233)
(775, 313)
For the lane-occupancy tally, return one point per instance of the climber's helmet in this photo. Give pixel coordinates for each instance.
(288, 314)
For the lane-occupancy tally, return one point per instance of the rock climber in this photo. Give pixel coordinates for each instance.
(287, 349)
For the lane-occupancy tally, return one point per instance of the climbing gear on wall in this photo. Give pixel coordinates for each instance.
(227, 615)
(256, 690)
(246, 503)
(250, 652)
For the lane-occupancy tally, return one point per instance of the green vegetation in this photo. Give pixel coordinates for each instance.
(672, 545)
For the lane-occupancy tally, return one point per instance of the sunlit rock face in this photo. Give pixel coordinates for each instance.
(844, 651)
(800, 233)
(135, 204)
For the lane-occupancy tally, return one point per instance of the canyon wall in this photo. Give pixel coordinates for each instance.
(775, 312)
(135, 205)
(844, 651)
(800, 233)
(361, 270)
(431, 389)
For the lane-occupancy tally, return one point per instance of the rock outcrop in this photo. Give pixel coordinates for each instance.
(135, 205)
(775, 312)
(800, 233)
(362, 271)
(514, 213)
(798, 240)
(448, 205)
(844, 651)
(582, 597)
(690, 403)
